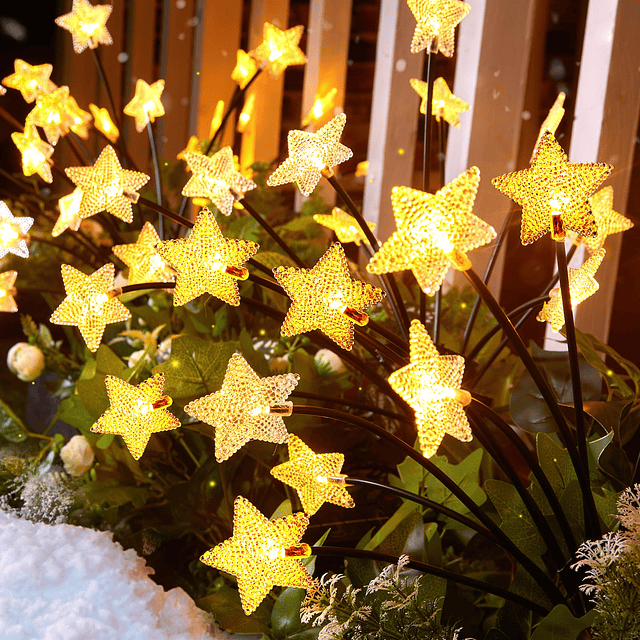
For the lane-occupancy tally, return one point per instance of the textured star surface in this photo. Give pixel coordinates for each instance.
(87, 24)
(307, 473)
(145, 106)
(431, 228)
(7, 301)
(255, 553)
(105, 184)
(582, 285)
(552, 121)
(245, 68)
(102, 122)
(80, 120)
(444, 104)
(427, 383)
(321, 295)
(132, 414)
(345, 226)
(68, 219)
(36, 153)
(88, 305)
(13, 233)
(553, 185)
(31, 81)
(436, 21)
(51, 114)
(310, 153)
(215, 178)
(279, 49)
(200, 261)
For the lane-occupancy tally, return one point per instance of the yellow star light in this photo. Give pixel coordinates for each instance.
(436, 21)
(246, 113)
(51, 114)
(554, 193)
(345, 226)
(7, 291)
(13, 233)
(80, 119)
(552, 121)
(107, 186)
(311, 154)
(136, 412)
(31, 81)
(102, 122)
(207, 262)
(444, 104)
(145, 265)
(320, 107)
(215, 178)
(326, 298)
(315, 476)
(87, 24)
(36, 153)
(193, 145)
(244, 70)
(262, 553)
(68, 218)
(582, 285)
(216, 121)
(279, 49)
(247, 407)
(362, 169)
(145, 106)
(434, 231)
(90, 303)
(430, 383)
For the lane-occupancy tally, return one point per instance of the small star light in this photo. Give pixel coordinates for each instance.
(434, 231)
(215, 178)
(316, 477)
(262, 553)
(193, 145)
(36, 153)
(244, 70)
(145, 265)
(552, 121)
(31, 81)
(444, 105)
(91, 303)
(68, 218)
(13, 233)
(247, 407)
(51, 114)
(554, 193)
(107, 186)
(87, 24)
(216, 121)
(430, 383)
(311, 154)
(345, 226)
(246, 113)
(326, 298)
(80, 119)
(207, 262)
(136, 412)
(102, 122)
(320, 107)
(362, 169)
(145, 106)
(7, 291)
(279, 49)
(436, 21)
(582, 285)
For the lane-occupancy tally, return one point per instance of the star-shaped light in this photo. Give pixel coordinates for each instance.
(247, 407)
(326, 298)
(51, 114)
(13, 233)
(444, 105)
(434, 231)
(262, 553)
(31, 81)
(310, 154)
(582, 285)
(87, 24)
(145, 265)
(246, 113)
(102, 122)
(193, 145)
(7, 291)
(554, 193)
(320, 107)
(430, 383)
(207, 262)
(80, 119)
(145, 105)
(107, 186)
(279, 49)
(215, 178)
(315, 476)
(36, 153)
(552, 121)
(90, 303)
(216, 120)
(345, 226)
(245, 68)
(436, 21)
(68, 219)
(136, 412)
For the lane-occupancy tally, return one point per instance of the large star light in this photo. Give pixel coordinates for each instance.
(430, 383)
(262, 553)
(345, 226)
(436, 21)
(145, 106)
(68, 219)
(136, 412)
(207, 262)
(279, 49)
(326, 298)
(444, 104)
(36, 153)
(87, 24)
(310, 154)
(7, 291)
(31, 81)
(434, 231)
(552, 121)
(51, 114)
(554, 193)
(13, 233)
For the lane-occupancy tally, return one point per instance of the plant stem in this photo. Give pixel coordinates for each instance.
(156, 175)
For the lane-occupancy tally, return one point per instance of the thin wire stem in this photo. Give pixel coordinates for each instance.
(372, 346)
(63, 248)
(167, 213)
(389, 335)
(85, 152)
(156, 175)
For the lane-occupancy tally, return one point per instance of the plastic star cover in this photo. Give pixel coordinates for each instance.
(13, 233)
(345, 226)
(436, 21)
(87, 24)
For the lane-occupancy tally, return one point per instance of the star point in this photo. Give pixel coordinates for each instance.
(279, 49)
(32, 81)
(36, 153)
(87, 24)
(436, 21)
(444, 105)
(7, 291)
(552, 121)
(145, 106)
(80, 120)
(345, 226)
(14, 233)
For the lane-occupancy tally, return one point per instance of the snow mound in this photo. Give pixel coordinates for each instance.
(61, 582)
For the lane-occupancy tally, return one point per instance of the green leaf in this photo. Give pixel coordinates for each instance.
(272, 259)
(561, 625)
(406, 510)
(607, 506)
(105, 440)
(225, 605)
(285, 616)
(256, 359)
(608, 414)
(72, 411)
(555, 462)
(11, 427)
(115, 494)
(573, 507)
(283, 509)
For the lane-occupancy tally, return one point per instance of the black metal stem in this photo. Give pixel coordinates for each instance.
(82, 147)
(389, 335)
(372, 346)
(167, 213)
(146, 285)
(156, 172)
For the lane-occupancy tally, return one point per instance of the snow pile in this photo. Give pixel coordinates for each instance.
(61, 582)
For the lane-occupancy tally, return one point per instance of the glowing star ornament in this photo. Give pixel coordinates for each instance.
(107, 186)
(13, 233)
(136, 412)
(145, 106)
(311, 155)
(36, 153)
(345, 226)
(102, 122)
(262, 553)
(315, 476)
(279, 49)
(445, 106)
(91, 303)
(434, 231)
(320, 107)
(68, 218)
(80, 120)
(436, 21)
(51, 114)
(216, 121)
(246, 113)
(87, 24)
(552, 121)
(7, 291)
(31, 81)
(326, 298)
(554, 193)
(244, 70)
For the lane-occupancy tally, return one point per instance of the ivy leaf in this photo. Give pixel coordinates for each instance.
(11, 427)
(607, 506)
(561, 625)
(72, 411)
(225, 605)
